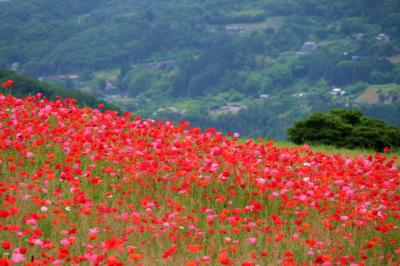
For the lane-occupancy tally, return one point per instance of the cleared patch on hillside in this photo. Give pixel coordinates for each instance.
(270, 23)
(385, 93)
(273, 23)
(110, 74)
(369, 96)
(394, 59)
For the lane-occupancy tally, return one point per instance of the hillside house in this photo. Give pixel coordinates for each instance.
(15, 67)
(109, 86)
(299, 94)
(356, 57)
(234, 29)
(308, 47)
(390, 99)
(230, 109)
(73, 76)
(336, 91)
(162, 64)
(382, 37)
(359, 36)
(172, 109)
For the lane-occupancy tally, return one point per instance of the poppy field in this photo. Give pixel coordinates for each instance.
(83, 186)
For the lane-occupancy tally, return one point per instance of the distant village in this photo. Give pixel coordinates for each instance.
(310, 46)
(307, 48)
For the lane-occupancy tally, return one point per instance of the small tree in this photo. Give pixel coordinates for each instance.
(322, 128)
(345, 128)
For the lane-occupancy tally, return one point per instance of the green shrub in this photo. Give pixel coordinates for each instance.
(345, 128)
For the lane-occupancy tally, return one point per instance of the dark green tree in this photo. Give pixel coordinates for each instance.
(345, 128)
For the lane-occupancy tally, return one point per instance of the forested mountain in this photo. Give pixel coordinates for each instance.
(253, 66)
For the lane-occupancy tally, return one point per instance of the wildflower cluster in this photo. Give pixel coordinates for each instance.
(82, 186)
(7, 85)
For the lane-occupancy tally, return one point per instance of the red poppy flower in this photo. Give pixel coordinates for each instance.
(113, 243)
(6, 245)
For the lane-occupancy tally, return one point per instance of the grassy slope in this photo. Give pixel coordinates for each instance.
(129, 180)
(333, 150)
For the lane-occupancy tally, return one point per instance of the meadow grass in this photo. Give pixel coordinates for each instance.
(158, 194)
(151, 244)
(326, 149)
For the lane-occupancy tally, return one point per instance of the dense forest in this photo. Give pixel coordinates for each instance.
(251, 66)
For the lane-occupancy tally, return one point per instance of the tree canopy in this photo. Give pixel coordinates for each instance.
(345, 128)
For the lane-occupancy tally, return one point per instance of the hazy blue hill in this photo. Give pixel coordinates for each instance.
(250, 66)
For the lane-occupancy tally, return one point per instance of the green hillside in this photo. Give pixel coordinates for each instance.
(249, 66)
